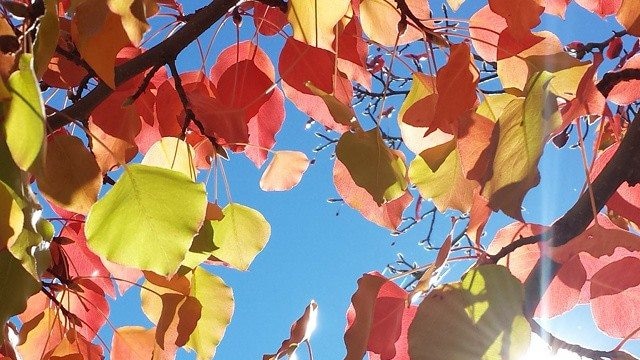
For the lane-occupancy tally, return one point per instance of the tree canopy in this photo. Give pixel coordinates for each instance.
(111, 159)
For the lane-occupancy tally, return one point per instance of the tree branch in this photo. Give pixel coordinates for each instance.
(201, 20)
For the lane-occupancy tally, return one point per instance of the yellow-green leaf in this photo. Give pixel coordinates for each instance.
(240, 235)
(24, 122)
(172, 153)
(12, 217)
(217, 308)
(484, 311)
(201, 247)
(16, 286)
(524, 128)
(341, 113)
(46, 37)
(372, 165)
(446, 187)
(70, 177)
(148, 219)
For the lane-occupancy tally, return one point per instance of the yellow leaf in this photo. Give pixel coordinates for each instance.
(455, 4)
(101, 28)
(372, 165)
(380, 18)
(341, 113)
(172, 153)
(285, 171)
(71, 177)
(46, 37)
(314, 21)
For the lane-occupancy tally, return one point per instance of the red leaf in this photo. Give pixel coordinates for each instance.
(601, 7)
(402, 345)
(522, 260)
(268, 20)
(244, 86)
(301, 331)
(626, 200)
(264, 126)
(79, 260)
(626, 92)
(300, 63)
(352, 53)
(615, 277)
(245, 50)
(388, 215)
(375, 317)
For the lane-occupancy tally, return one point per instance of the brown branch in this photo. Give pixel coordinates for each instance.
(557, 344)
(611, 79)
(201, 20)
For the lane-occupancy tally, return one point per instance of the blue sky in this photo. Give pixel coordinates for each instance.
(318, 250)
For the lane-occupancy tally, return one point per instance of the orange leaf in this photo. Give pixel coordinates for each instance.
(601, 7)
(626, 92)
(380, 20)
(285, 171)
(137, 343)
(388, 215)
(71, 177)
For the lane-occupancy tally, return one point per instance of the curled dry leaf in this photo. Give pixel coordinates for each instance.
(285, 171)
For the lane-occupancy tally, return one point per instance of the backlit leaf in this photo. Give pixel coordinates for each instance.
(388, 215)
(147, 205)
(102, 28)
(71, 178)
(217, 308)
(601, 7)
(16, 286)
(137, 343)
(46, 38)
(313, 21)
(12, 218)
(484, 311)
(380, 20)
(284, 171)
(372, 165)
(629, 16)
(24, 121)
(301, 331)
(172, 153)
(447, 186)
(240, 235)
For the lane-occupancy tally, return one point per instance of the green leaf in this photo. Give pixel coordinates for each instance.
(217, 308)
(524, 128)
(372, 165)
(148, 219)
(24, 123)
(11, 215)
(46, 37)
(32, 252)
(16, 286)
(240, 235)
(482, 316)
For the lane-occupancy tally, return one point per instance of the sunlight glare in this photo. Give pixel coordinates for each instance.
(539, 350)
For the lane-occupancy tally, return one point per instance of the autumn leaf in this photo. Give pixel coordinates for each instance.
(447, 186)
(24, 120)
(424, 283)
(46, 38)
(484, 309)
(388, 215)
(313, 22)
(71, 177)
(217, 308)
(153, 204)
(16, 287)
(11, 211)
(137, 343)
(240, 235)
(374, 318)
(380, 20)
(301, 331)
(629, 16)
(102, 28)
(41, 334)
(602, 8)
(285, 171)
(172, 153)
(372, 165)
